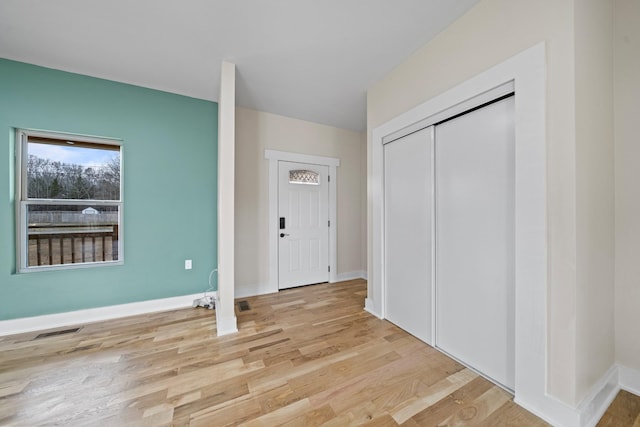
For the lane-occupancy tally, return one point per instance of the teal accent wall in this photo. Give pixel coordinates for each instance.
(169, 154)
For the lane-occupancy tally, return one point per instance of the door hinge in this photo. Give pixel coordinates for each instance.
(328, 178)
(329, 223)
(329, 268)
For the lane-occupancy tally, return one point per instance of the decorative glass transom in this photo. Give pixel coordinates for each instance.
(302, 176)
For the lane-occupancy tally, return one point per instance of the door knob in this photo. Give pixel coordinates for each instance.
(283, 234)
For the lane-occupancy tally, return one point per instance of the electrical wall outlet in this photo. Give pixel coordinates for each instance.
(187, 264)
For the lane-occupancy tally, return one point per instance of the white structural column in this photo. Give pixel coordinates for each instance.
(225, 314)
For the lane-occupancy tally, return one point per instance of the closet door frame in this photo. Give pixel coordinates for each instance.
(402, 261)
(527, 71)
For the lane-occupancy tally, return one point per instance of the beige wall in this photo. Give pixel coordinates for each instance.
(491, 32)
(627, 159)
(257, 131)
(595, 345)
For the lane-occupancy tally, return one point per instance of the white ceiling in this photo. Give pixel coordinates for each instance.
(308, 59)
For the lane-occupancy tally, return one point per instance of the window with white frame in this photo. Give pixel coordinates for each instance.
(68, 201)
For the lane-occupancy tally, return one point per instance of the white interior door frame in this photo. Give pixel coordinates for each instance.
(528, 72)
(303, 210)
(274, 157)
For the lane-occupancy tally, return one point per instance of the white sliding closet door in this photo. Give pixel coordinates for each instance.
(408, 196)
(475, 237)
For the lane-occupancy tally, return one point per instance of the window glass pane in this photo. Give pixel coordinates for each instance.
(71, 234)
(68, 170)
(304, 177)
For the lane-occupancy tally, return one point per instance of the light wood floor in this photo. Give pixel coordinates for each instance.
(303, 357)
(623, 412)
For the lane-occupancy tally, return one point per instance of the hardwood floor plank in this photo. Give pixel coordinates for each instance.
(313, 418)
(362, 413)
(207, 398)
(306, 356)
(511, 415)
(431, 395)
(281, 415)
(452, 403)
(201, 378)
(373, 384)
(12, 387)
(476, 412)
(624, 411)
(320, 379)
(230, 413)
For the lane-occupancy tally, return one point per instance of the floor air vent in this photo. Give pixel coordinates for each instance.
(55, 333)
(243, 306)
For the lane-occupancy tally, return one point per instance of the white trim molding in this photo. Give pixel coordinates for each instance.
(253, 289)
(274, 157)
(594, 405)
(225, 313)
(629, 379)
(527, 70)
(81, 317)
(350, 275)
(225, 325)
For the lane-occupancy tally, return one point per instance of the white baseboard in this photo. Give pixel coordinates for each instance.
(594, 405)
(253, 290)
(368, 306)
(629, 379)
(550, 409)
(350, 275)
(587, 414)
(226, 325)
(57, 320)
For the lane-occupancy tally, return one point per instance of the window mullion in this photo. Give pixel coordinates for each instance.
(74, 202)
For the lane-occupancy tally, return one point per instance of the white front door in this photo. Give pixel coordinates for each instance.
(303, 234)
